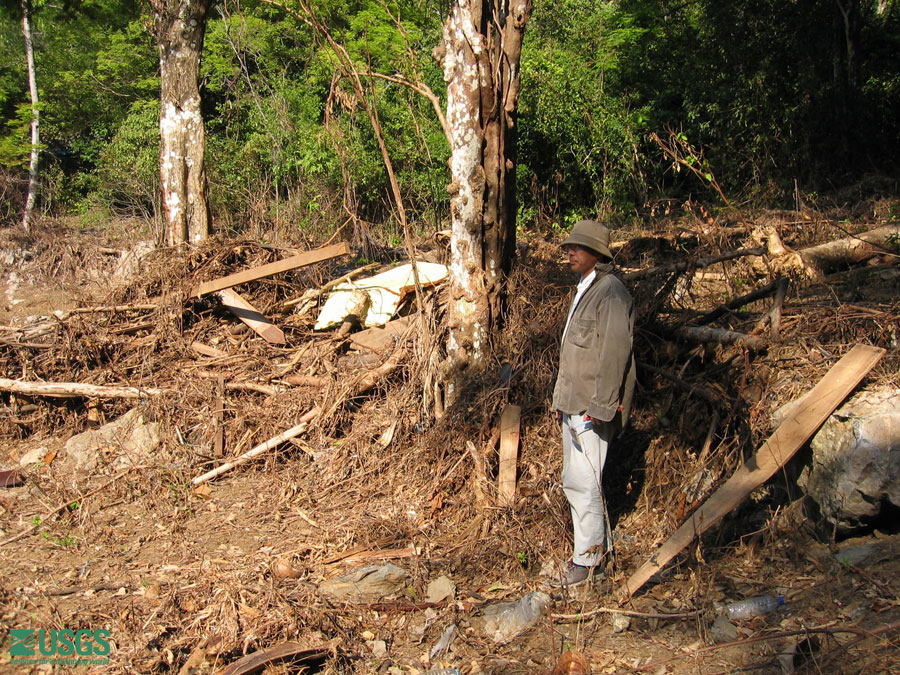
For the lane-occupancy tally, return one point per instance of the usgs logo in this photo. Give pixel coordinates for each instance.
(31, 642)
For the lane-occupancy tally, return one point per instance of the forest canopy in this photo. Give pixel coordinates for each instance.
(767, 100)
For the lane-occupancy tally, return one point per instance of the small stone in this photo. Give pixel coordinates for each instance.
(620, 623)
(35, 456)
(439, 589)
(377, 647)
(723, 630)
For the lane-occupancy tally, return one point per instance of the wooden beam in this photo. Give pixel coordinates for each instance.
(509, 454)
(251, 316)
(299, 260)
(796, 429)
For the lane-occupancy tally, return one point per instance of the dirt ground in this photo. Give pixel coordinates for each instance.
(192, 578)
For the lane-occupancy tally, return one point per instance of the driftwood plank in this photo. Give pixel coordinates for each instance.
(295, 261)
(251, 316)
(509, 453)
(792, 433)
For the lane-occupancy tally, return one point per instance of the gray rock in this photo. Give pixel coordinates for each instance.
(127, 441)
(723, 630)
(366, 583)
(855, 468)
(504, 620)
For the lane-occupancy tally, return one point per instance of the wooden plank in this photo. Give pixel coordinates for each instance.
(509, 453)
(251, 316)
(295, 261)
(377, 338)
(796, 429)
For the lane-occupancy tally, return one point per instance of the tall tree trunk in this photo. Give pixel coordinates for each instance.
(35, 117)
(846, 64)
(479, 54)
(180, 26)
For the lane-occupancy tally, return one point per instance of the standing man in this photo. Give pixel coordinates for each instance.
(593, 392)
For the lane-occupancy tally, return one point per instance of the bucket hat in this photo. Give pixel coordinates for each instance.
(592, 235)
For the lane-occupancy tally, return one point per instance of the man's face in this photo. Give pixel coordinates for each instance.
(581, 259)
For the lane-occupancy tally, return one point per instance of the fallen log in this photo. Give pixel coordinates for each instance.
(731, 305)
(375, 339)
(703, 334)
(700, 262)
(850, 250)
(77, 389)
(306, 380)
(206, 350)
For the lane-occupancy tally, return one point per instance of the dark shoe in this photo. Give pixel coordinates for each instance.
(576, 574)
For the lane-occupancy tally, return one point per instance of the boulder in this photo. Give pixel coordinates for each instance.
(855, 471)
(126, 441)
(367, 583)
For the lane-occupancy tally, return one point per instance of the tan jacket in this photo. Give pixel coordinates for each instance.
(596, 360)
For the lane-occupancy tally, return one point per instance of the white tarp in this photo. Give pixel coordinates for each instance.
(385, 292)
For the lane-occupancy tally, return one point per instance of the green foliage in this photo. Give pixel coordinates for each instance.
(15, 144)
(127, 174)
(765, 90)
(577, 139)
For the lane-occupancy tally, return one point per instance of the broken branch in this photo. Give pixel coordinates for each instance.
(295, 430)
(75, 389)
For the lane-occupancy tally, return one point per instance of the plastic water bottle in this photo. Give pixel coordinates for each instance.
(744, 609)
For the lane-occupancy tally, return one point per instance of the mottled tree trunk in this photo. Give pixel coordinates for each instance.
(180, 26)
(35, 119)
(480, 50)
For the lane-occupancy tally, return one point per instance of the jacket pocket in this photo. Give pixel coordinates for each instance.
(581, 332)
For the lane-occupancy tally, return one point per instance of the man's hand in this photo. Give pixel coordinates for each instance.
(558, 415)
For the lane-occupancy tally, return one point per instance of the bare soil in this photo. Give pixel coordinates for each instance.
(190, 578)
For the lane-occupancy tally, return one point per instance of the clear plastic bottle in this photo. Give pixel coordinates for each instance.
(744, 609)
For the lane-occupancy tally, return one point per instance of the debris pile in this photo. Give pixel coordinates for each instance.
(229, 453)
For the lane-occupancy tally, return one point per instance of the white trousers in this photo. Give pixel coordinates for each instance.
(584, 454)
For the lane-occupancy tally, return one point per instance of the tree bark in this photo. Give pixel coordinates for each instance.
(479, 54)
(180, 26)
(35, 117)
